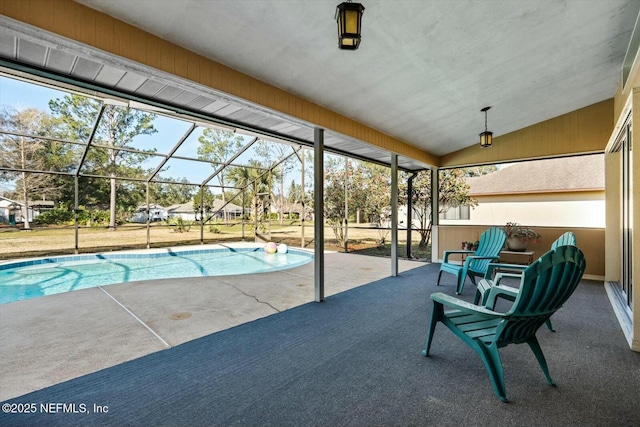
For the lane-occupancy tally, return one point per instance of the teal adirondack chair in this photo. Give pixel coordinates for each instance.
(544, 286)
(566, 239)
(510, 293)
(475, 265)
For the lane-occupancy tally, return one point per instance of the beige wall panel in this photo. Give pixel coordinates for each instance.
(167, 59)
(635, 208)
(566, 129)
(75, 21)
(586, 130)
(590, 241)
(540, 197)
(612, 234)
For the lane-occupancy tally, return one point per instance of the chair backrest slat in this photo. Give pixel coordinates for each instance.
(565, 239)
(545, 286)
(490, 244)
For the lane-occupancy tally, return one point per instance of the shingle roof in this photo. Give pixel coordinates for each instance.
(181, 207)
(579, 173)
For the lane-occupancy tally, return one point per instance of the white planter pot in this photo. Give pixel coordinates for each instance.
(517, 245)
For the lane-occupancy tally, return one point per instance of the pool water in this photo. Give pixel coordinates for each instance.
(46, 276)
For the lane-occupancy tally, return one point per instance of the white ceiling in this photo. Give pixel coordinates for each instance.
(423, 71)
(424, 68)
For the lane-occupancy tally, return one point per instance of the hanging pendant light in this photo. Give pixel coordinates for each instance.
(486, 137)
(349, 18)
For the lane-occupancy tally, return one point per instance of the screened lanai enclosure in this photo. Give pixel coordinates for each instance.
(84, 171)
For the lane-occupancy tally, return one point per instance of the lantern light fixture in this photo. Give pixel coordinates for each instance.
(349, 19)
(486, 137)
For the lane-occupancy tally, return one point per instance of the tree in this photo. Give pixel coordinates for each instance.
(479, 170)
(343, 174)
(453, 192)
(295, 193)
(334, 197)
(253, 178)
(19, 149)
(375, 185)
(174, 192)
(203, 202)
(217, 146)
(258, 183)
(271, 153)
(116, 130)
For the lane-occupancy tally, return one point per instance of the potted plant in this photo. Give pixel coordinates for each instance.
(467, 246)
(518, 237)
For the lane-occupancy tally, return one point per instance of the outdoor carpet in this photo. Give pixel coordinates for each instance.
(355, 360)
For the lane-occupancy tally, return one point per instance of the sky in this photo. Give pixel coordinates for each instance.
(21, 95)
(18, 95)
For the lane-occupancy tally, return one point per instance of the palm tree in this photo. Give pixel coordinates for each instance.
(253, 178)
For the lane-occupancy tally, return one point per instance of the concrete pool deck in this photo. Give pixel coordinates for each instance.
(51, 339)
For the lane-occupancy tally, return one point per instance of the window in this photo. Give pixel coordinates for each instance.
(460, 212)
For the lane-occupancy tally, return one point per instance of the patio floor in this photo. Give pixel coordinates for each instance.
(63, 336)
(353, 360)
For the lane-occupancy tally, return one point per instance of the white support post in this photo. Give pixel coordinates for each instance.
(76, 213)
(346, 204)
(435, 218)
(303, 201)
(318, 208)
(148, 219)
(244, 195)
(394, 214)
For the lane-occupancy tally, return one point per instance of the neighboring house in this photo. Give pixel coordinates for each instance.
(233, 211)
(186, 211)
(9, 210)
(156, 213)
(402, 218)
(295, 210)
(182, 210)
(562, 192)
(13, 211)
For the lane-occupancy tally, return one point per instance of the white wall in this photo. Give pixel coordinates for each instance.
(556, 213)
(187, 216)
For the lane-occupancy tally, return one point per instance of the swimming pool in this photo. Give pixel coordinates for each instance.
(46, 276)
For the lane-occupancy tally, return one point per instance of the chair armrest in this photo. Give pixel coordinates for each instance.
(482, 288)
(477, 257)
(453, 302)
(500, 291)
(495, 265)
(500, 276)
(445, 254)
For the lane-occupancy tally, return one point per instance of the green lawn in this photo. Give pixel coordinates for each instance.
(41, 241)
(385, 251)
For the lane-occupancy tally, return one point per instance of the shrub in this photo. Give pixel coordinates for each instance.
(59, 215)
(179, 225)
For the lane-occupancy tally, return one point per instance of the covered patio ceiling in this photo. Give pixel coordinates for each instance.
(423, 71)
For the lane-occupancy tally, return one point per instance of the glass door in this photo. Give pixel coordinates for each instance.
(625, 146)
